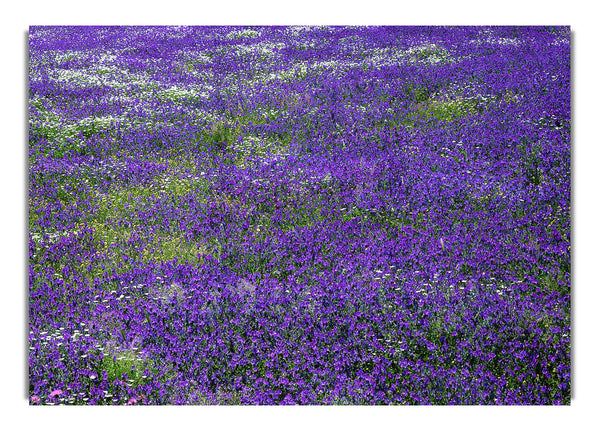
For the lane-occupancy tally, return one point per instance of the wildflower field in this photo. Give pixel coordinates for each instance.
(299, 215)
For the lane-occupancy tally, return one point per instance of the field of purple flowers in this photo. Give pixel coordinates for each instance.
(299, 215)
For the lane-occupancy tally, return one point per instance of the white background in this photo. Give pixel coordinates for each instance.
(16, 413)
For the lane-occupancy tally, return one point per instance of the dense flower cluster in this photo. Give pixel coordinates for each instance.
(299, 215)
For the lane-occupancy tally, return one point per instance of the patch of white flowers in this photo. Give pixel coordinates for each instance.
(248, 33)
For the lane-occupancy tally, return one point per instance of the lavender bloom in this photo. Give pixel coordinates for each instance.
(299, 215)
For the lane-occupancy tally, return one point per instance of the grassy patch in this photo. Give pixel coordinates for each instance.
(431, 54)
(441, 110)
(126, 366)
(172, 247)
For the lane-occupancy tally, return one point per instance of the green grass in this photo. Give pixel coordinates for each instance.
(110, 240)
(432, 109)
(126, 365)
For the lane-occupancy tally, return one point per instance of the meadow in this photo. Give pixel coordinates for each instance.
(299, 215)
